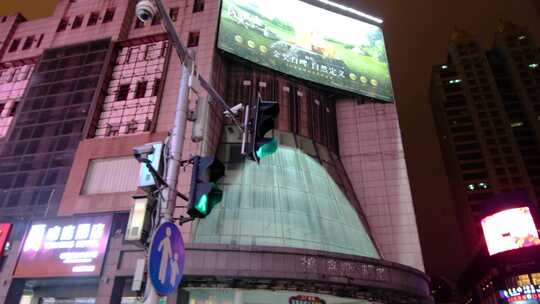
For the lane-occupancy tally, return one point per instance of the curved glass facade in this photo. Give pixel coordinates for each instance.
(288, 200)
(246, 296)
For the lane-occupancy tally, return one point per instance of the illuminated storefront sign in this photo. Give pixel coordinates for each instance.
(510, 229)
(521, 293)
(64, 247)
(5, 228)
(306, 300)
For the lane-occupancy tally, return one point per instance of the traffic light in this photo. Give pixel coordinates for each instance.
(266, 113)
(204, 193)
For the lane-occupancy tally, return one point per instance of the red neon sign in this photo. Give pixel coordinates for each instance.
(5, 228)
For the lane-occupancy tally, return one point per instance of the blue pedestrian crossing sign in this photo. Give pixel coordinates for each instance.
(166, 260)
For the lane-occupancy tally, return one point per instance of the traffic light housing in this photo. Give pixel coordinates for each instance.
(204, 194)
(266, 113)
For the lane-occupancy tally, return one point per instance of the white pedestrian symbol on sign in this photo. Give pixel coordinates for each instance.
(167, 259)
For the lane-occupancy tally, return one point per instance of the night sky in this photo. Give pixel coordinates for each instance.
(417, 34)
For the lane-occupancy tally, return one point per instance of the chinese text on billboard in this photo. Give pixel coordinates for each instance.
(64, 247)
(308, 42)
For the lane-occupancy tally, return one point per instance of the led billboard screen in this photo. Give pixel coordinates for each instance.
(64, 247)
(510, 229)
(308, 42)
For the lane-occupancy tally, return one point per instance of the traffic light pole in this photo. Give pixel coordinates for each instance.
(178, 131)
(177, 136)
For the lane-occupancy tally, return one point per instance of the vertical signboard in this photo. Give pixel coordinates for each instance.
(64, 247)
(5, 228)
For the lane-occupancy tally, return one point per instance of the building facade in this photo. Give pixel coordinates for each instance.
(487, 111)
(327, 219)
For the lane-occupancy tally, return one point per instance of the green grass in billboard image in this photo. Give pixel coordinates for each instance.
(308, 42)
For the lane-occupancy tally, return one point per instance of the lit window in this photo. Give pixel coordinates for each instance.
(483, 185)
(516, 124)
(444, 67)
(522, 37)
(533, 65)
(454, 81)
(471, 187)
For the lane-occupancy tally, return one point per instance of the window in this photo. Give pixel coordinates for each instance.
(173, 13)
(14, 45)
(39, 41)
(28, 42)
(198, 6)
(132, 127)
(141, 89)
(13, 110)
(93, 19)
(112, 130)
(138, 23)
(2, 106)
(62, 25)
(123, 92)
(4, 18)
(99, 177)
(193, 39)
(77, 22)
(128, 55)
(109, 15)
(155, 87)
(156, 20)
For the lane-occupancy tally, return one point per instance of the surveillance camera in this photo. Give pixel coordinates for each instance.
(141, 153)
(235, 110)
(145, 10)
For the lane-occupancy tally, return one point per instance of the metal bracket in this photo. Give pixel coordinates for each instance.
(182, 220)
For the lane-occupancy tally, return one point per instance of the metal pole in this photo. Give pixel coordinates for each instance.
(177, 133)
(173, 164)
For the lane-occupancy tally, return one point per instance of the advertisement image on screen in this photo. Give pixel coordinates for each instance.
(308, 42)
(64, 247)
(510, 229)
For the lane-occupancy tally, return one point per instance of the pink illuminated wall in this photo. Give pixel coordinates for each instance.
(130, 103)
(13, 81)
(372, 154)
(510, 229)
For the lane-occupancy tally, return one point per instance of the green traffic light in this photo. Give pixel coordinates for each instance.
(207, 201)
(267, 149)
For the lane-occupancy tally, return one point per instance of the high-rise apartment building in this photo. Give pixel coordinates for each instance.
(327, 219)
(487, 110)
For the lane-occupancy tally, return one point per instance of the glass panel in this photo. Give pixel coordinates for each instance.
(287, 200)
(242, 296)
